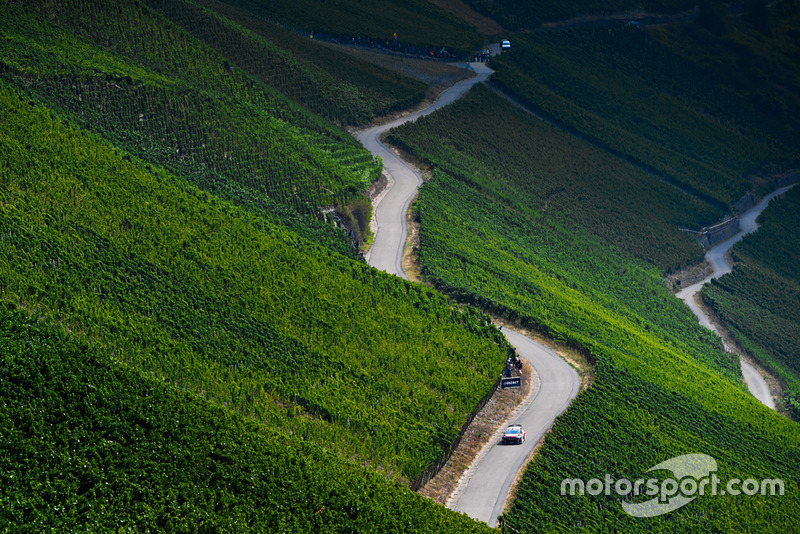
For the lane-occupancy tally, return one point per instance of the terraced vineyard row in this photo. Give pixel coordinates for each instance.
(206, 121)
(339, 87)
(560, 283)
(93, 445)
(546, 175)
(759, 302)
(663, 386)
(530, 14)
(624, 426)
(494, 232)
(420, 24)
(204, 295)
(659, 97)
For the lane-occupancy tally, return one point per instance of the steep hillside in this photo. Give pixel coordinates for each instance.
(420, 26)
(204, 295)
(531, 14)
(663, 385)
(89, 445)
(562, 227)
(200, 348)
(346, 90)
(700, 111)
(759, 302)
(209, 113)
(548, 177)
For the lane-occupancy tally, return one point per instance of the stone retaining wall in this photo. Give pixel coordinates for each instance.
(711, 235)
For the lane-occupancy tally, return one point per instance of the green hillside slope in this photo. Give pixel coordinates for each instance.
(344, 89)
(206, 296)
(207, 114)
(89, 445)
(544, 175)
(530, 14)
(699, 110)
(560, 235)
(759, 302)
(420, 24)
(663, 385)
(201, 349)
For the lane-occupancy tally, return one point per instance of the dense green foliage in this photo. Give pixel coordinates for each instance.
(219, 302)
(89, 445)
(624, 425)
(698, 110)
(529, 14)
(663, 385)
(544, 175)
(342, 88)
(563, 283)
(417, 23)
(215, 360)
(149, 87)
(759, 302)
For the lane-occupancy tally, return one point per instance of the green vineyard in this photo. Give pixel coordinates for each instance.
(213, 125)
(545, 175)
(662, 384)
(206, 296)
(343, 89)
(660, 98)
(530, 14)
(759, 302)
(560, 235)
(420, 25)
(192, 341)
(91, 445)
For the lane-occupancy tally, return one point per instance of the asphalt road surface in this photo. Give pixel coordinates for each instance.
(485, 492)
(716, 257)
(386, 253)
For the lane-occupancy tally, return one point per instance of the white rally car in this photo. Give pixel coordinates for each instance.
(514, 434)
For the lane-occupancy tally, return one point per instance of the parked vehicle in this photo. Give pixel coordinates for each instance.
(505, 44)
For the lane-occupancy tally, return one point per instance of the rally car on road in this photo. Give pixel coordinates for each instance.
(514, 434)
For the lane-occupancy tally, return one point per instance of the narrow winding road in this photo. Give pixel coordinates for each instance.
(484, 489)
(716, 257)
(386, 253)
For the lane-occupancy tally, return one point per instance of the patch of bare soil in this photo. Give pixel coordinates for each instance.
(379, 187)
(483, 428)
(485, 26)
(411, 251)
